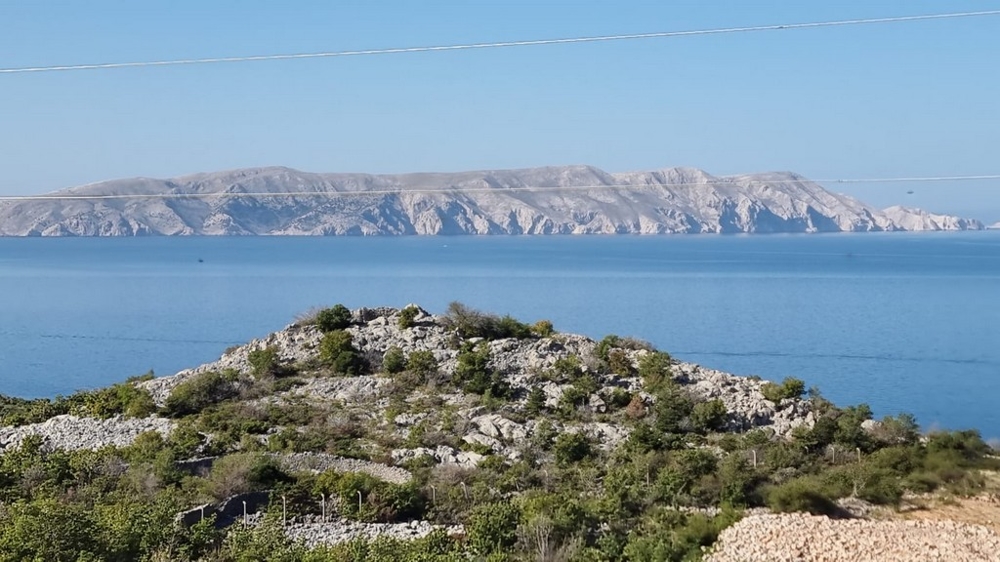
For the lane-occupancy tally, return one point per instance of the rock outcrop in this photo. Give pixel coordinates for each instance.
(551, 200)
(917, 219)
(523, 362)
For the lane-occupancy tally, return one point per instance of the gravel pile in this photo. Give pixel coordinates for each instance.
(72, 433)
(318, 462)
(807, 538)
(314, 533)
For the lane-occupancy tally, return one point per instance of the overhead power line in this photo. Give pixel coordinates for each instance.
(502, 44)
(461, 190)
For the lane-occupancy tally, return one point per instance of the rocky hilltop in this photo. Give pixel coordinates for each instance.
(551, 200)
(461, 436)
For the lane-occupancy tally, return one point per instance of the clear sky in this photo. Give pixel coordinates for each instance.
(904, 99)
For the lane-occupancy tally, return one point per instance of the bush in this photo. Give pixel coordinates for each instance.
(654, 369)
(492, 528)
(407, 316)
(804, 495)
(789, 388)
(709, 416)
(566, 369)
(571, 447)
(338, 317)
(394, 361)
(123, 398)
(536, 401)
(471, 323)
(199, 392)
(380, 501)
(265, 363)
(422, 363)
(336, 351)
(244, 472)
(474, 374)
(672, 408)
(543, 329)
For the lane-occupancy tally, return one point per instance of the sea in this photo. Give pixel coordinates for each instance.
(905, 322)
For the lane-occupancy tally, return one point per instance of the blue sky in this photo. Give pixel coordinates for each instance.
(907, 99)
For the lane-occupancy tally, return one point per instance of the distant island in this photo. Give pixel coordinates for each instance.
(396, 434)
(549, 200)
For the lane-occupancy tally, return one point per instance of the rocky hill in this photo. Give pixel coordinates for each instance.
(551, 200)
(451, 437)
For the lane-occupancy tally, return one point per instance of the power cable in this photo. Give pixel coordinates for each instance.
(501, 44)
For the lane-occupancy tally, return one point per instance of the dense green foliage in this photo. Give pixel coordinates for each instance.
(337, 317)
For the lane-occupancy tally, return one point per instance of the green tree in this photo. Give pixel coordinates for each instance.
(337, 317)
(536, 401)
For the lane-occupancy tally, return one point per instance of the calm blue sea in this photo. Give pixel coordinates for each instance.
(904, 322)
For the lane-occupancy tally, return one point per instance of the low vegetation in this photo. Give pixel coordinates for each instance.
(676, 479)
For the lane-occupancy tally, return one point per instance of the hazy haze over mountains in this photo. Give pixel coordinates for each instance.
(550, 200)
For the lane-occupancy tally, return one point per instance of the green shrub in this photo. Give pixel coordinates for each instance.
(198, 392)
(572, 447)
(492, 528)
(671, 535)
(474, 374)
(654, 369)
(394, 361)
(566, 369)
(244, 472)
(336, 350)
(672, 408)
(264, 362)
(789, 388)
(709, 416)
(536, 401)
(337, 317)
(572, 398)
(122, 398)
(471, 323)
(617, 399)
(380, 501)
(422, 363)
(803, 495)
(543, 329)
(407, 317)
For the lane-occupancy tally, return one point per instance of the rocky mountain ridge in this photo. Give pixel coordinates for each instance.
(549, 200)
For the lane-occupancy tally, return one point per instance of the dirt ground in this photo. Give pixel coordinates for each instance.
(984, 509)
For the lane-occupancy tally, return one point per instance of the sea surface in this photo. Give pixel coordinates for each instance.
(905, 322)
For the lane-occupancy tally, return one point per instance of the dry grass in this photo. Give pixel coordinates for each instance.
(983, 509)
